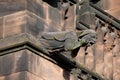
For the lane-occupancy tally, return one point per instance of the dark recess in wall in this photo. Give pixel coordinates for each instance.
(53, 3)
(94, 1)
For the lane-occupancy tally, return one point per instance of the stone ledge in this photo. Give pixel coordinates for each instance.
(20, 40)
(26, 41)
(26, 60)
(20, 53)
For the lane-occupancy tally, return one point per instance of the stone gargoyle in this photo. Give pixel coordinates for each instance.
(67, 40)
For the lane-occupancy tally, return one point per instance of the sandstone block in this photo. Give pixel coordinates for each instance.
(23, 22)
(37, 7)
(80, 58)
(89, 58)
(88, 18)
(12, 63)
(26, 60)
(70, 21)
(26, 22)
(11, 6)
(54, 15)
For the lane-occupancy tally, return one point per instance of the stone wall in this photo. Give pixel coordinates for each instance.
(104, 56)
(114, 8)
(19, 17)
(26, 65)
(35, 16)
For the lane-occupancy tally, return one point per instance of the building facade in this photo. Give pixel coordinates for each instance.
(22, 56)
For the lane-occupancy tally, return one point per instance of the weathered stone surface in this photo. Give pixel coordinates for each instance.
(80, 58)
(89, 56)
(15, 23)
(16, 40)
(114, 8)
(15, 76)
(54, 15)
(116, 60)
(106, 53)
(108, 58)
(25, 60)
(1, 27)
(53, 27)
(26, 22)
(16, 12)
(35, 25)
(24, 75)
(11, 6)
(23, 22)
(116, 70)
(44, 68)
(99, 58)
(37, 7)
(104, 6)
(14, 62)
(108, 65)
(31, 76)
(88, 18)
(99, 52)
(24, 16)
(69, 23)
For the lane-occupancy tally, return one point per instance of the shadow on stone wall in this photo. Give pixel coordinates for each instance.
(66, 74)
(7, 66)
(21, 65)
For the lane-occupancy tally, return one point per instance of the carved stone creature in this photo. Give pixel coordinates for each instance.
(67, 40)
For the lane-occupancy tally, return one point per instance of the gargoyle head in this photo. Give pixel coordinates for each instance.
(88, 37)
